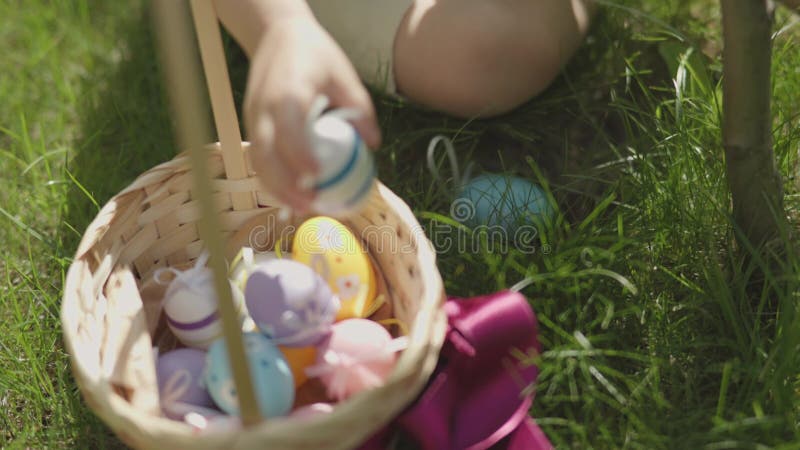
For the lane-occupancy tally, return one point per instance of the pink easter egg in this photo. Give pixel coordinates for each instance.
(356, 356)
(312, 410)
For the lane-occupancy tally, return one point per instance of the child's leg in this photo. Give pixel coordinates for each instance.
(484, 57)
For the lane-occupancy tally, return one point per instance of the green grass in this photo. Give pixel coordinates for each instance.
(654, 335)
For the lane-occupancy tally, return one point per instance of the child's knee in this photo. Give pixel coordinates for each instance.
(478, 57)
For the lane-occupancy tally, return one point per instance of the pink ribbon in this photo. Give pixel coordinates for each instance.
(475, 397)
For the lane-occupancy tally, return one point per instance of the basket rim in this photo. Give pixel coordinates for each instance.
(426, 333)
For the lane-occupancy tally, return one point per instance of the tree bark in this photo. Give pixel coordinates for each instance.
(753, 177)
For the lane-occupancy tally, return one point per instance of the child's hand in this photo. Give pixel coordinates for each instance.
(295, 61)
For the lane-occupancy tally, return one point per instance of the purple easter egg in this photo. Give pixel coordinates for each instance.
(180, 379)
(290, 303)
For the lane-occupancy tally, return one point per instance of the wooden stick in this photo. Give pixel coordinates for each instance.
(183, 74)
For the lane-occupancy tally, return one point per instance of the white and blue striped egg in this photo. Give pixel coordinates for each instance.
(347, 170)
(190, 306)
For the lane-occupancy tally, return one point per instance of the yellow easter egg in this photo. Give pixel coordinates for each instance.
(299, 358)
(337, 255)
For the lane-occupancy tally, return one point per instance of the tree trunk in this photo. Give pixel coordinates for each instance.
(791, 4)
(753, 178)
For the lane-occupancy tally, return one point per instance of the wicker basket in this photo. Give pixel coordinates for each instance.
(111, 318)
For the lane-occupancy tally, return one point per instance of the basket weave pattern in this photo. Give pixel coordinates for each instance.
(111, 322)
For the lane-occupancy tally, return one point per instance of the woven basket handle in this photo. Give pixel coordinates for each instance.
(219, 89)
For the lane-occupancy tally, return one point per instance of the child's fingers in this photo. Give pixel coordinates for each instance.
(291, 140)
(272, 168)
(278, 180)
(353, 95)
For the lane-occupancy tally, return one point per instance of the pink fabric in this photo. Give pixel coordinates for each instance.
(474, 399)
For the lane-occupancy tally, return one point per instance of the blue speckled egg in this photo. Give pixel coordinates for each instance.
(501, 200)
(272, 377)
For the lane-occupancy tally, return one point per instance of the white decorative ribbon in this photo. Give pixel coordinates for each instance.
(311, 321)
(189, 278)
(200, 418)
(458, 179)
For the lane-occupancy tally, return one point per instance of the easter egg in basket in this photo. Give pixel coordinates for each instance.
(190, 305)
(180, 382)
(153, 222)
(290, 303)
(270, 373)
(312, 410)
(337, 255)
(299, 358)
(359, 354)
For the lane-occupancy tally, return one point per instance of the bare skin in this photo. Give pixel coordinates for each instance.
(478, 58)
(470, 58)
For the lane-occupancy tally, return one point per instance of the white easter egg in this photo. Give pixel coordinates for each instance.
(190, 305)
(347, 170)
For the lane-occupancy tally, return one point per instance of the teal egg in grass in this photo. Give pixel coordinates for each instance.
(272, 379)
(502, 200)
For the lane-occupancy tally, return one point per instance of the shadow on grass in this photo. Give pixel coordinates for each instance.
(567, 131)
(126, 126)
